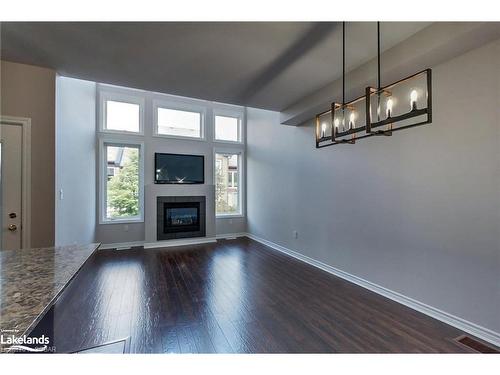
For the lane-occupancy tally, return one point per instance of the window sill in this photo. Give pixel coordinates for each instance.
(236, 143)
(229, 216)
(121, 132)
(122, 221)
(180, 137)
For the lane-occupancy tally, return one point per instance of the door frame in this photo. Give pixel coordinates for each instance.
(25, 124)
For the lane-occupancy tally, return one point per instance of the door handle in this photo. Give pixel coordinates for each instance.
(12, 227)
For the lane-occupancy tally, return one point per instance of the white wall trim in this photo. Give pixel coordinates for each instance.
(462, 324)
(25, 124)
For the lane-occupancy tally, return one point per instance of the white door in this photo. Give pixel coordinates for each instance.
(11, 154)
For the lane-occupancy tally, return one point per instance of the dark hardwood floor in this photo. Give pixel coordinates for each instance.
(235, 296)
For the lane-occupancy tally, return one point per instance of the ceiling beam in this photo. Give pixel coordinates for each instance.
(310, 39)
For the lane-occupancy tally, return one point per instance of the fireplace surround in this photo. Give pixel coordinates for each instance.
(180, 217)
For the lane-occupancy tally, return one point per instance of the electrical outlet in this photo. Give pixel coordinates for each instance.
(295, 234)
(230, 221)
(125, 228)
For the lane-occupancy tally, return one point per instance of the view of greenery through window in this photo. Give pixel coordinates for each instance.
(123, 182)
(226, 184)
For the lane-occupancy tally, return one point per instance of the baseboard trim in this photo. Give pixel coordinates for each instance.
(179, 242)
(121, 245)
(462, 324)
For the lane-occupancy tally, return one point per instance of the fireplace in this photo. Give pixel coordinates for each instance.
(180, 217)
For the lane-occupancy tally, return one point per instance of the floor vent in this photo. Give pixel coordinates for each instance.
(229, 238)
(476, 345)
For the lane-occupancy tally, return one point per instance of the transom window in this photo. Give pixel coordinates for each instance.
(179, 123)
(227, 128)
(121, 113)
(122, 116)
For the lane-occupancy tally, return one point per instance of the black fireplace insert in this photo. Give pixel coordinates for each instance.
(180, 217)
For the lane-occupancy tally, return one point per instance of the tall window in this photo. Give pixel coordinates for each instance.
(227, 184)
(179, 123)
(122, 190)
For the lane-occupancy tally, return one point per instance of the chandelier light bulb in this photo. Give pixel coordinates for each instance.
(323, 130)
(413, 99)
(351, 120)
(389, 107)
(336, 123)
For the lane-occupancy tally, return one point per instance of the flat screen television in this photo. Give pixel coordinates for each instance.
(179, 169)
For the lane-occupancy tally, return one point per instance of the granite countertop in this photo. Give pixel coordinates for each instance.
(32, 279)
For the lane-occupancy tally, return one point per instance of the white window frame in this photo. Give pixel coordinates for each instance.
(106, 94)
(241, 182)
(179, 106)
(229, 112)
(103, 169)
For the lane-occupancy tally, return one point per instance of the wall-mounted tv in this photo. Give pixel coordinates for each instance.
(179, 169)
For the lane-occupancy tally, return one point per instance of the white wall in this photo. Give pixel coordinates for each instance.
(417, 213)
(75, 161)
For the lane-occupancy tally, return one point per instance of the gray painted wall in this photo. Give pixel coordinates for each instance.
(417, 213)
(75, 161)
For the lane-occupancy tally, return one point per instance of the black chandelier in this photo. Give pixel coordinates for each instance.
(380, 111)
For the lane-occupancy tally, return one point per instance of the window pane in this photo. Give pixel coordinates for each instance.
(122, 116)
(122, 185)
(179, 123)
(226, 128)
(226, 184)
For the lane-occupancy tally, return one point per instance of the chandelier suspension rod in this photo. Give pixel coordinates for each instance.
(343, 63)
(378, 56)
(379, 85)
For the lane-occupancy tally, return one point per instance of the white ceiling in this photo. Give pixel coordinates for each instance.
(260, 64)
